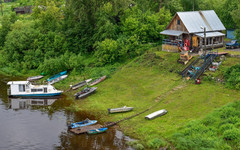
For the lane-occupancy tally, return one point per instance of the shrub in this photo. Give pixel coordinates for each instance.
(232, 77)
(225, 127)
(156, 143)
(232, 134)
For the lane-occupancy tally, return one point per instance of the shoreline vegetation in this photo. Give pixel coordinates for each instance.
(149, 80)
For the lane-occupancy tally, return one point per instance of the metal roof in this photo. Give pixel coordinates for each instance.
(194, 20)
(210, 34)
(17, 82)
(172, 32)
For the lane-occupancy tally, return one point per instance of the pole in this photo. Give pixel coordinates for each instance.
(205, 41)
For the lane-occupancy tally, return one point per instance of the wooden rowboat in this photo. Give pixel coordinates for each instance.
(98, 80)
(34, 78)
(122, 109)
(156, 114)
(57, 79)
(85, 92)
(96, 131)
(80, 84)
(83, 123)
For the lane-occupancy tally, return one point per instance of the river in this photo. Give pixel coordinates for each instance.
(37, 124)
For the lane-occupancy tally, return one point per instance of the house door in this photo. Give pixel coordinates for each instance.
(45, 90)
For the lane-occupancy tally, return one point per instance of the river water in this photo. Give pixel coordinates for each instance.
(41, 124)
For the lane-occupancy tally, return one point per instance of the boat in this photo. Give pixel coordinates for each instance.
(27, 89)
(80, 84)
(83, 123)
(156, 114)
(122, 109)
(96, 131)
(56, 78)
(85, 92)
(34, 78)
(98, 80)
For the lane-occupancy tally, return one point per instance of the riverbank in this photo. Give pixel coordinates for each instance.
(149, 80)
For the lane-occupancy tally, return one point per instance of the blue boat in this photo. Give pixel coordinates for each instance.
(96, 131)
(86, 122)
(57, 76)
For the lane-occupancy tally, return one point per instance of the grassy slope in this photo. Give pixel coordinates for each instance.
(138, 85)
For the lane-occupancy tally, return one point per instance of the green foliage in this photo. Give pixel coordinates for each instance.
(211, 132)
(6, 23)
(232, 77)
(156, 143)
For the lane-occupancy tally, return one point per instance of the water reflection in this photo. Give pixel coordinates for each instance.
(19, 103)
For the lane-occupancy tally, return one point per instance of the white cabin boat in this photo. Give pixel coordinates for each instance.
(25, 88)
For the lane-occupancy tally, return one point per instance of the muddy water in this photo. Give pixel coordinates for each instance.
(37, 124)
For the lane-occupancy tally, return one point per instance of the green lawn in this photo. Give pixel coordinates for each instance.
(139, 83)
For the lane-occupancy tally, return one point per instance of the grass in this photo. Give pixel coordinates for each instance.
(229, 51)
(140, 84)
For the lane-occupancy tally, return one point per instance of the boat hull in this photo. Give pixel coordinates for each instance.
(97, 131)
(82, 124)
(156, 114)
(38, 95)
(98, 81)
(120, 110)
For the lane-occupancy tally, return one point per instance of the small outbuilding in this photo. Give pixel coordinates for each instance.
(23, 10)
(186, 31)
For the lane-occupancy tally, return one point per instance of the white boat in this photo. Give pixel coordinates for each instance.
(156, 114)
(25, 88)
(57, 79)
(121, 109)
(35, 78)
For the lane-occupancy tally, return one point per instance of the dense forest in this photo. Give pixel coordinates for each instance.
(74, 34)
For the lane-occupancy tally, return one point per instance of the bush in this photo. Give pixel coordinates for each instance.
(232, 134)
(232, 77)
(156, 143)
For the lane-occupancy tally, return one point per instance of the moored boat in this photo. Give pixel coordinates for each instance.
(121, 109)
(96, 131)
(85, 92)
(98, 80)
(80, 84)
(26, 89)
(156, 114)
(56, 77)
(83, 123)
(34, 78)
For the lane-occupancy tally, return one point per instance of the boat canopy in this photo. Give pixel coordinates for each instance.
(17, 82)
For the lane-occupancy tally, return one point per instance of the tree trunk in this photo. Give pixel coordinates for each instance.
(160, 5)
(2, 7)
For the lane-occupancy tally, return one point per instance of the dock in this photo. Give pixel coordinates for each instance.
(81, 130)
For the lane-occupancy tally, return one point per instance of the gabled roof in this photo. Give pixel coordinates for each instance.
(193, 20)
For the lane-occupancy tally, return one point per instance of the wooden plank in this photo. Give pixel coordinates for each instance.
(81, 130)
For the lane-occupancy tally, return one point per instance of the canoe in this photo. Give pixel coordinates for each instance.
(156, 114)
(34, 78)
(57, 76)
(57, 79)
(80, 84)
(98, 80)
(83, 123)
(96, 131)
(122, 109)
(85, 92)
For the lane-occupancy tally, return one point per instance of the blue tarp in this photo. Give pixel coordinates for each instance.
(230, 34)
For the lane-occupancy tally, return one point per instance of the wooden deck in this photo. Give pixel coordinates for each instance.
(81, 130)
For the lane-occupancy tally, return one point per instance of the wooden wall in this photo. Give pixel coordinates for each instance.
(174, 26)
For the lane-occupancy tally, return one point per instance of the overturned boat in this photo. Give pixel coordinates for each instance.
(121, 109)
(34, 78)
(156, 114)
(80, 84)
(57, 77)
(85, 92)
(98, 80)
(26, 89)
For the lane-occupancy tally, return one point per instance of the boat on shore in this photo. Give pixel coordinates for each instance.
(85, 92)
(34, 78)
(57, 77)
(96, 131)
(83, 123)
(98, 80)
(156, 114)
(26, 89)
(80, 84)
(121, 109)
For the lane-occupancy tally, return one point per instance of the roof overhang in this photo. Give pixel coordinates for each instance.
(172, 32)
(210, 34)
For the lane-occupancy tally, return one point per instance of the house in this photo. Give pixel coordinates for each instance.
(186, 31)
(23, 10)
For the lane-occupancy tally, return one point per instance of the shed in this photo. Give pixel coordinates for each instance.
(23, 10)
(186, 31)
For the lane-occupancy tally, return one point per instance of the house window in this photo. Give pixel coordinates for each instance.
(178, 22)
(21, 87)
